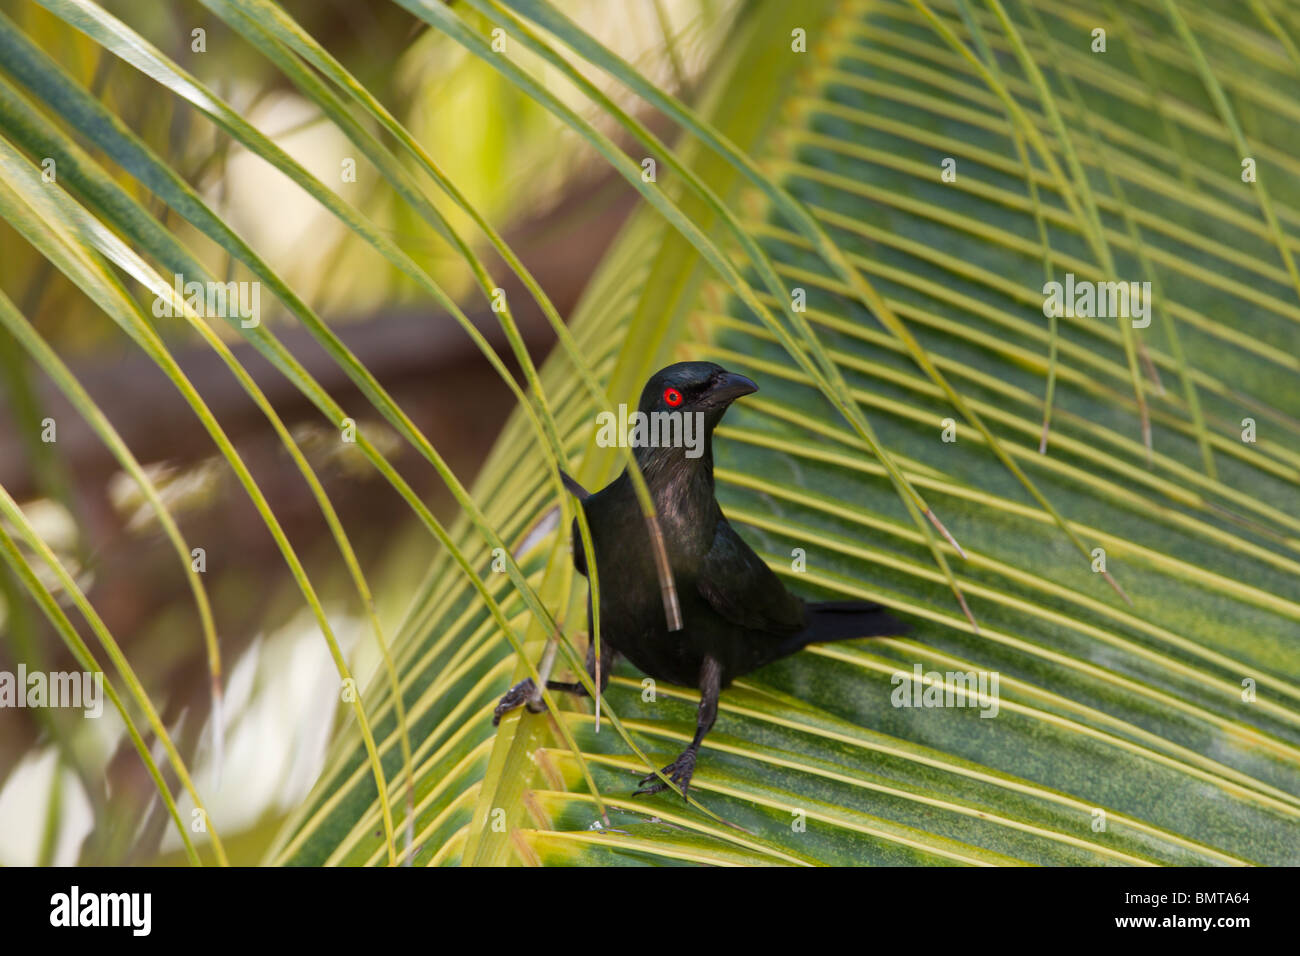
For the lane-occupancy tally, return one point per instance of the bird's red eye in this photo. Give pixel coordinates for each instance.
(672, 397)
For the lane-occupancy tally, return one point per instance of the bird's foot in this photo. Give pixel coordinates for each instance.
(517, 696)
(679, 772)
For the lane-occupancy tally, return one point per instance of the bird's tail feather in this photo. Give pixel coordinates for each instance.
(844, 621)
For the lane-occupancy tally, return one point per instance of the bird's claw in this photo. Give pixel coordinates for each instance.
(679, 772)
(522, 693)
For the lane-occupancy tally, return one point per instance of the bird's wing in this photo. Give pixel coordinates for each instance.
(575, 489)
(744, 590)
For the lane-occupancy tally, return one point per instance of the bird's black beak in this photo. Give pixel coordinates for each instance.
(728, 388)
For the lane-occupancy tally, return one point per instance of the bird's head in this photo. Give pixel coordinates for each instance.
(680, 406)
(694, 387)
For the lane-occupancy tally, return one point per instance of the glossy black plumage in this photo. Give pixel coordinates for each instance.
(737, 613)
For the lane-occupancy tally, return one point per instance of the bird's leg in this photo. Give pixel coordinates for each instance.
(522, 693)
(681, 769)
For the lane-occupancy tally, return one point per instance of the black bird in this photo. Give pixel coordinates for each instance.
(737, 615)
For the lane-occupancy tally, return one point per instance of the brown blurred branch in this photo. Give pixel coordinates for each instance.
(398, 347)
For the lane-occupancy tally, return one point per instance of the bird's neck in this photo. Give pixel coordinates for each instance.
(678, 482)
